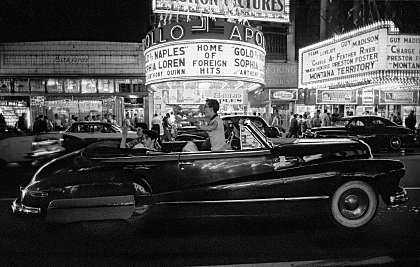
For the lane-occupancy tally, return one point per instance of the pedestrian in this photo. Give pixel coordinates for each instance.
(325, 119)
(214, 128)
(293, 128)
(156, 124)
(127, 122)
(21, 124)
(316, 121)
(2, 123)
(397, 118)
(57, 123)
(410, 121)
(166, 128)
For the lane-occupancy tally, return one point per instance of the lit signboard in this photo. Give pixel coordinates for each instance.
(260, 10)
(342, 59)
(376, 51)
(403, 52)
(205, 59)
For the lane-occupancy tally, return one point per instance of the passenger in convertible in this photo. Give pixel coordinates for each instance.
(214, 128)
(145, 138)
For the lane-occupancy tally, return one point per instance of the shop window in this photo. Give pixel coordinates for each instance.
(105, 86)
(123, 86)
(54, 86)
(37, 86)
(71, 86)
(5, 86)
(88, 86)
(21, 86)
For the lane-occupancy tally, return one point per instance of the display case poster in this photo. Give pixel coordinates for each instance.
(368, 96)
(37, 101)
(334, 96)
(398, 97)
(4, 86)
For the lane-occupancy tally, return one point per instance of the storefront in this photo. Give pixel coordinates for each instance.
(12, 107)
(73, 78)
(280, 93)
(372, 70)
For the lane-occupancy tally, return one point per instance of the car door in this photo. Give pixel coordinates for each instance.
(380, 133)
(225, 181)
(357, 128)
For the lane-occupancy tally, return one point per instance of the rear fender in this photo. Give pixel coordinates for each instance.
(90, 209)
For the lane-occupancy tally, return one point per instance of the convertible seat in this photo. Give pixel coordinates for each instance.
(176, 146)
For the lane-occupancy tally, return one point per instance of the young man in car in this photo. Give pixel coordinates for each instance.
(214, 128)
(140, 127)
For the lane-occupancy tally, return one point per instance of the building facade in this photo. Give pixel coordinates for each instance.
(71, 79)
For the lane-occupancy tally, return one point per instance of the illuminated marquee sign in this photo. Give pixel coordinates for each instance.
(403, 52)
(240, 57)
(342, 59)
(261, 10)
(374, 52)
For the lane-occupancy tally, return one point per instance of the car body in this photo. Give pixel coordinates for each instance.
(105, 182)
(81, 134)
(378, 132)
(187, 133)
(20, 149)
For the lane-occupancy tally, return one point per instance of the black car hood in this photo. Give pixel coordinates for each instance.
(322, 148)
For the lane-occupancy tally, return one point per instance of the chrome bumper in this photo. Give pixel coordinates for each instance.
(399, 198)
(19, 208)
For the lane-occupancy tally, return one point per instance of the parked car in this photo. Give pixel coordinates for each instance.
(378, 132)
(188, 133)
(81, 134)
(105, 182)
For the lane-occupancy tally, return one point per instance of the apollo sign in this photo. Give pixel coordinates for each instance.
(172, 54)
(187, 31)
(261, 10)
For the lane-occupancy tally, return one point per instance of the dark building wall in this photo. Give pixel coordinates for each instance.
(307, 22)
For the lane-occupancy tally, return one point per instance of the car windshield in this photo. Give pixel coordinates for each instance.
(259, 131)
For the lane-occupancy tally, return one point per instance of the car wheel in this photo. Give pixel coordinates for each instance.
(395, 143)
(354, 204)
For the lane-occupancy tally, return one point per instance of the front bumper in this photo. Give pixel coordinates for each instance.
(19, 208)
(399, 197)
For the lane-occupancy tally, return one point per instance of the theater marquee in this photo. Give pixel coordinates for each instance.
(238, 54)
(260, 10)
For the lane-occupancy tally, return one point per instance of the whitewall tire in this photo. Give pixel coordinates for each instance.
(354, 204)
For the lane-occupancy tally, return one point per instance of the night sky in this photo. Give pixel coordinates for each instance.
(91, 20)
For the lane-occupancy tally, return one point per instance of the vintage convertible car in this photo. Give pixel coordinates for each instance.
(104, 182)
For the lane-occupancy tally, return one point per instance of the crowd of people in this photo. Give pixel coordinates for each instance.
(300, 123)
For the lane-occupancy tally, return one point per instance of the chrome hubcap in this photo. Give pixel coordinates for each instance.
(395, 143)
(353, 204)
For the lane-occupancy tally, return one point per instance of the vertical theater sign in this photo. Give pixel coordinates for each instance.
(372, 68)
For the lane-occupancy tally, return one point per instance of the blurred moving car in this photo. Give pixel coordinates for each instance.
(257, 178)
(378, 132)
(20, 149)
(81, 134)
(193, 133)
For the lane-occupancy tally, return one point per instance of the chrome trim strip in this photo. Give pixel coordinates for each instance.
(243, 200)
(51, 206)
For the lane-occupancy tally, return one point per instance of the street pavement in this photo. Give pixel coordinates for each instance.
(392, 238)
